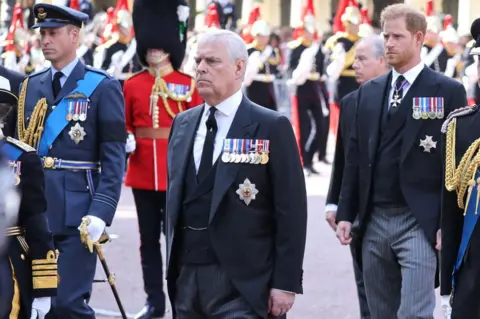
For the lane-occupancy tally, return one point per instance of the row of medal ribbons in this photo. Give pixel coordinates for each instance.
(245, 151)
(428, 108)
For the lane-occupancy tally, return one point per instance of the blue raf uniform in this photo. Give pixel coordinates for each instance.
(76, 132)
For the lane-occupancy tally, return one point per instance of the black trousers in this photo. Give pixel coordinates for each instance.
(151, 211)
(205, 292)
(314, 137)
(362, 297)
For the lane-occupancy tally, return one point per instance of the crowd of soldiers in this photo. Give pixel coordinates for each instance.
(298, 70)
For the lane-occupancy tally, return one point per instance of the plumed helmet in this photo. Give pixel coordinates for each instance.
(475, 32)
(161, 24)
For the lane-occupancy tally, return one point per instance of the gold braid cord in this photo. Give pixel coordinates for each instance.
(461, 178)
(33, 133)
(160, 88)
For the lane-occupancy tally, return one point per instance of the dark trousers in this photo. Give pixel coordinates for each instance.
(76, 269)
(151, 211)
(312, 128)
(6, 288)
(362, 297)
(205, 292)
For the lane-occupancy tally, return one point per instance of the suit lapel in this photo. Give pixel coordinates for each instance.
(427, 88)
(46, 87)
(374, 110)
(243, 126)
(78, 73)
(181, 152)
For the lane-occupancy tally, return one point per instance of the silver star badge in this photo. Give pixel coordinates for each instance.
(247, 191)
(428, 143)
(77, 133)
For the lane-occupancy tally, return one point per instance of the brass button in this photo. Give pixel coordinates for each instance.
(22, 256)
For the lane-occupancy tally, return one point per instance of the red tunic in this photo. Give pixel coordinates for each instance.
(147, 165)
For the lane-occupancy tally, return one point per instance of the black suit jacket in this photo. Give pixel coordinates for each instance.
(259, 246)
(452, 216)
(15, 80)
(420, 172)
(347, 115)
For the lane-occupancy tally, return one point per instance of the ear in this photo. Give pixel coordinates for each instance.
(239, 68)
(419, 38)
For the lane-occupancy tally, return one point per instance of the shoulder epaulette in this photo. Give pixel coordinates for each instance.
(332, 41)
(137, 73)
(103, 72)
(38, 72)
(294, 44)
(463, 111)
(24, 146)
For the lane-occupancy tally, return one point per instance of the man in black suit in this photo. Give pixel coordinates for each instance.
(236, 197)
(369, 63)
(393, 173)
(10, 81)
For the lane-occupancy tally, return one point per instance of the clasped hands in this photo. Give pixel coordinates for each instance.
(91, 229)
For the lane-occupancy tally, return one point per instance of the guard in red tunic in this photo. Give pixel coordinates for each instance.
(153, 97)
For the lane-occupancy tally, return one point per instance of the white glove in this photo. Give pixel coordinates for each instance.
(446, 308)
(95, 228)
(131, 144)
(40, 307)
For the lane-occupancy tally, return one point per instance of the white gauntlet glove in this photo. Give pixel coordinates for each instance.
(95, 228)
(40, 307)
(446, 308)
(131, 144)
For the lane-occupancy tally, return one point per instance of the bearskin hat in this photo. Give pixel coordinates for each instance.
(161, 24)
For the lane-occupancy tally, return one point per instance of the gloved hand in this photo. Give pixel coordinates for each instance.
(95, 228)
(40, 307)
(446, 308)
(131, 144)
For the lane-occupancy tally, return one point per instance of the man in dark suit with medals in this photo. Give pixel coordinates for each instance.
(74, 116)
(369, 63)
(393, 173)
(236, 197)
(460, 202)
(30, 265)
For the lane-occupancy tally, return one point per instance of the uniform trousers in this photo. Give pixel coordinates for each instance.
(312, 128)
(399, 266)
(205, 292)
(357, 271)
(6, 287)
(151, 211)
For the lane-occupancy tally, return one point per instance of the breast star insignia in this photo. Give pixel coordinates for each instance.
(428, 143)
(247, 191)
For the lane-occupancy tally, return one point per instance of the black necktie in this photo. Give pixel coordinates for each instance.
(206, 161)
(56, 85)
(397, 95)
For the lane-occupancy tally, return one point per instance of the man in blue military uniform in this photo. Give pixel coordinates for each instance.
(74, 116)
(29, 267)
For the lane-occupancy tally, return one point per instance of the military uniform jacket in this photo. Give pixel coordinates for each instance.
(147, 166)
(31, 247)
(98, 138)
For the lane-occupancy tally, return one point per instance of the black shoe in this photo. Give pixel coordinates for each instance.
(309, 170)
(148, 312)
(324, 160)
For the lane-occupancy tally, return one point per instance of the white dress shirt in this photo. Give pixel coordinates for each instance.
(67, 70)
(411, 75)
(224, 115)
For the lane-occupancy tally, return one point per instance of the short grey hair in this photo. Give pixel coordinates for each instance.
(237, 49)
(377, 44)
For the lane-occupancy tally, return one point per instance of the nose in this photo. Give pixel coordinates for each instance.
(201, 67)
(355, 65)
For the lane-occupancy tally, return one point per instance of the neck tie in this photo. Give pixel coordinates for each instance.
(206, 161)
(56, 85)
(397, 95)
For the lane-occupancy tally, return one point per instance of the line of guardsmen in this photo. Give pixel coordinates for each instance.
(155, 90)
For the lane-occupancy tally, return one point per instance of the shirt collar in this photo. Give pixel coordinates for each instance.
(67, 70)
(410, 75)
(228, 106)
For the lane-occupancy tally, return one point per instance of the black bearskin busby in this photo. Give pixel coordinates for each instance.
(475, 32)
(157, 26)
